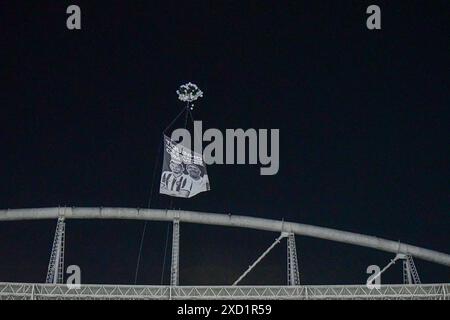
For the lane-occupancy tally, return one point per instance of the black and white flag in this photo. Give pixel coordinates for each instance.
(183, 172)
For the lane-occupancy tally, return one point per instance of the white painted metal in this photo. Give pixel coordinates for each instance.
(230, 221)
(55, 272)
(410, 275)
(174, 269)
(25, 291)
(413, 274)
(407, 279)
(399, 256)
(293, 273)
(250, 268)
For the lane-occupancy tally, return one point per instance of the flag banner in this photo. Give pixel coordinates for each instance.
(183, 172)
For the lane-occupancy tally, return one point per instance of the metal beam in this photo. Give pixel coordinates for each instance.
(392, 262)
(27, 291)
(230, 221)
(265, 253)
(293, 274)
(412, 271)
(174, 276)
(407, 279)
(55, 271)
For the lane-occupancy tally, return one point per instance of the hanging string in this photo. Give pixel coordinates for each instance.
(149, 202)
(150, 198)
(186, 109)
(144, 229)
(175, 119)
(165, 253)
(191, 115)
(140, 252)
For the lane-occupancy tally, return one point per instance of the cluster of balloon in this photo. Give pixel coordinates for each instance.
(189, 93)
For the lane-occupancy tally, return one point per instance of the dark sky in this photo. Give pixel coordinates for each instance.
(363, 118)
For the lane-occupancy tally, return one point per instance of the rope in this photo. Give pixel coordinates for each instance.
(186, 109)
(192, 117)
(187, 112)
(150, 198)
(140, 253)
(165, 253)
(175, 119)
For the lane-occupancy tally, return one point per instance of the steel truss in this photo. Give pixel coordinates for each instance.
(174, 269)
(28, 291)
(293, 274)
(410, 274)
(55, 272)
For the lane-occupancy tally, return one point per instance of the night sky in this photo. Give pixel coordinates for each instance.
(363, 118)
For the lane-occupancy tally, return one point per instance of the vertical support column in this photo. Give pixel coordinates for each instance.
(174, 276)
(55, 272)
(413, 270)
(293, 274)
(406, 273)
(410, 274)
(32, 292)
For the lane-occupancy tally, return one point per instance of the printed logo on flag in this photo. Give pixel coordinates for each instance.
(183, 173)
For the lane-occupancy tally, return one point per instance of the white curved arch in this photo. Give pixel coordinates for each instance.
(229, 221)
